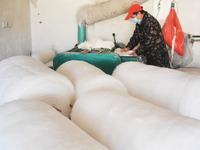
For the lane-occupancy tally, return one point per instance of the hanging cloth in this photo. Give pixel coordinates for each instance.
(173, 30)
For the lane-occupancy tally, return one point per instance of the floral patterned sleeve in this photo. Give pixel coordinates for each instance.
(149, 41)
(134, 40)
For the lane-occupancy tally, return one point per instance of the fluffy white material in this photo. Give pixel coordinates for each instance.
(87, 77)
(96, 43)
(34, 125)
(100, 1)
(45, 57)
(105, 10)
(168, 88)
(22, 77)
(121, 122)
(195, 71)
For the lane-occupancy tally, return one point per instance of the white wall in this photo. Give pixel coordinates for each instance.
(54, 24)
(15, 40)
(58, 27)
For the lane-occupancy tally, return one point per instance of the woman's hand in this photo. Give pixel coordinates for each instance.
(133, 54)
(125, 49)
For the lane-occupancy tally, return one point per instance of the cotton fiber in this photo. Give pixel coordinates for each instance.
(87, 77)
(46, 57)
(96, 43)
(195, 71)
(22, 77)
(122, 122)
(91, 14)
(34, 125)
(168, 88)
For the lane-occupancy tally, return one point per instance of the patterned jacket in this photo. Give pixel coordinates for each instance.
(152, 45)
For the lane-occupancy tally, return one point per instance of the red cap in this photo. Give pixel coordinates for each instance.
(132, 9)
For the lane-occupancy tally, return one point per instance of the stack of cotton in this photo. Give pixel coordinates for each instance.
(96, 43)
(172, 89)
(34, 125)
(46, 57)
(122, 122)
(106, 112)
(22, 77)
(87, 77)
(195, 71)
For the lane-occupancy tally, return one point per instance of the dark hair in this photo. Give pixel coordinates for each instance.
(142, 12)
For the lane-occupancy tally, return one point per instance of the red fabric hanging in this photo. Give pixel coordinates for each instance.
(168, 30)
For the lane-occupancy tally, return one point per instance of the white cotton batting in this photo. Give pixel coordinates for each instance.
(34, 125)
(87, 77)
(22, 77)
(45, 56)
(122, 122)
(91, 14)
(195, 71)
(168, 88)
(96, 43)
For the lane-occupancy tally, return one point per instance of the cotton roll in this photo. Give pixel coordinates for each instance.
(195, 71)
(92, 14)
(122, 122)
(87, 77)
(168, 88)
(44, 56)
(22, 77)
(34, 125)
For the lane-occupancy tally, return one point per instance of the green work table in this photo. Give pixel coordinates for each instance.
(106, 62)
